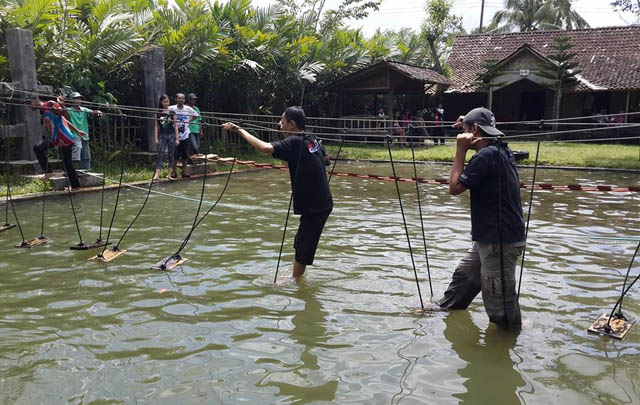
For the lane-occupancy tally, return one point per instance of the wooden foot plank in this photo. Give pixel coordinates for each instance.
(87, 246)
(31, 243)
(108, 255)
(6, 227)
(169, 263)
(619, 327)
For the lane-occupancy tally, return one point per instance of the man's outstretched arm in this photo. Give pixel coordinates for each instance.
(258, 144)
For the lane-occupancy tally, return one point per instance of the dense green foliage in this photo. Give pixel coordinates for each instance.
(237, 57)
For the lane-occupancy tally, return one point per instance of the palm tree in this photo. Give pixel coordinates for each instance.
(409, 47)
(522, 15)
(564, 16)
(532, 15)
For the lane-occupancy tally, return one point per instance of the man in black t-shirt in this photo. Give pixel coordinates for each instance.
(497, 225)
(311, 195)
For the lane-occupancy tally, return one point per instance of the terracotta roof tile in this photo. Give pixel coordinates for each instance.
(609, 57)
(420, 73)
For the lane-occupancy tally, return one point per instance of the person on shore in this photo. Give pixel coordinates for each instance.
(165, 136)
(497, 224)
(438, 118)
(78, 115)
(381, 118)
(194, 126)
(312, 198)
(184, 116)
(398, 129)
(57, 134)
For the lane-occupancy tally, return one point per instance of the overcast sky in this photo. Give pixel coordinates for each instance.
(395, 14)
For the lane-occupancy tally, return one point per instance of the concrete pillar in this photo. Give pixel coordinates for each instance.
(22, 65)
(154, 86)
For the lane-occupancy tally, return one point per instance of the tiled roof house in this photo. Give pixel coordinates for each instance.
(608, 57)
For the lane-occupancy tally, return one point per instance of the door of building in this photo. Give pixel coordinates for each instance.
(532, 105)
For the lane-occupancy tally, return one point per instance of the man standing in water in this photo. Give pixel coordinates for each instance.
(311, 195)
(497, 225)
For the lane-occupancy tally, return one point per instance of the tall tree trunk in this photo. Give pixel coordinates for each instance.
(434, 55)
(436, 65)
(490, 99)
(556, 107)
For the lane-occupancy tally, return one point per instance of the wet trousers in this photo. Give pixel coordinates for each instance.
(480, 271)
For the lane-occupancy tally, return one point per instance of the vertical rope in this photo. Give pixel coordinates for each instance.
(526, 232)
(286, 221)
(73, 210)
(6, 162)
(195, 218)
(44, 192)
(626, 277)
(406, 228)
(504, 298)
(424, 239)
(144, 203)
(115, 206)
(9, 199)
(335, 161)
(104, 176)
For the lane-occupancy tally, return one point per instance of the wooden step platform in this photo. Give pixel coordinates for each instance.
(31, 243)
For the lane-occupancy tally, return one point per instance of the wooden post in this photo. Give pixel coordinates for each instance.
(390, 109)
(490, 98)
(626, 108)
(22, 66)
(154, 86)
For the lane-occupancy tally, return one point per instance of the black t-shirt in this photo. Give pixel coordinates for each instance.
(311, 194)
(165, 123)
(481, 178)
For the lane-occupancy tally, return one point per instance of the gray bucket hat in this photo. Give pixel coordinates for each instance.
(485, 120)
(75, 94)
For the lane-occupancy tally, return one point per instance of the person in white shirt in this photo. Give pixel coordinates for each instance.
(184, 115)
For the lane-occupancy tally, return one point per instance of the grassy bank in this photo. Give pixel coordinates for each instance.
(133, 171)
(551, 154)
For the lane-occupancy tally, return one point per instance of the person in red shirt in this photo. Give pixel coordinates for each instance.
(57, 134)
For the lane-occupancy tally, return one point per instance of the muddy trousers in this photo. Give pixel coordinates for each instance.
(479, 270)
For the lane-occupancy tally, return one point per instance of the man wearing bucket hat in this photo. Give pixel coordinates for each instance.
(497, 224)
(78, 115)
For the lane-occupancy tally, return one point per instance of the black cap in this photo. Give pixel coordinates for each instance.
(485, 120)
(191, 96)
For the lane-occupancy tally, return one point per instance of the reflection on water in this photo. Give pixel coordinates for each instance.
(215, 330)
(492, 376)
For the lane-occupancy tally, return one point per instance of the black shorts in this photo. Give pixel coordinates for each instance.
(182, 151)
(308, 236)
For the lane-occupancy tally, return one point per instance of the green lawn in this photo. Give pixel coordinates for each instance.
(551, 154)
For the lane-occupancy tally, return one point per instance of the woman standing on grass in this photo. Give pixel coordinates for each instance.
(166, 136)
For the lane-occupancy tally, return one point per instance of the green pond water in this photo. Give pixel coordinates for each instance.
(216, 330)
